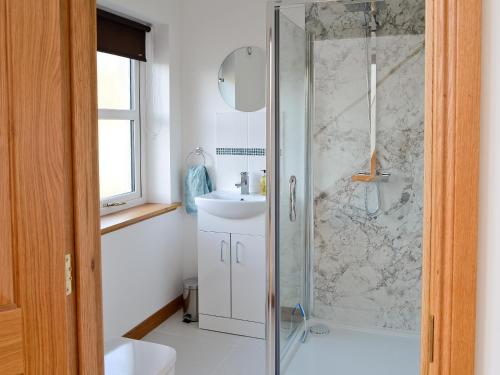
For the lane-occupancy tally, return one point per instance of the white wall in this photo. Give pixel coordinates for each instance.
(210, 31)
(488, 305)
(141, 271)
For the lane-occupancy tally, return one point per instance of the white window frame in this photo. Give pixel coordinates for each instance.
(127, 200)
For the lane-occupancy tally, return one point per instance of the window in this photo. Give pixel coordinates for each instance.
(118, 81)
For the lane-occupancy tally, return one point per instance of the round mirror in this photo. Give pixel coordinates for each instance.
(242, 79)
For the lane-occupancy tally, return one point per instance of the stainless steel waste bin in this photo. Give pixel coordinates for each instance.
(190, 299)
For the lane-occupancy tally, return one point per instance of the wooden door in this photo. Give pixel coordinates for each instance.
(214, 273)
(248, 257)
(37, 332)
(40, 319)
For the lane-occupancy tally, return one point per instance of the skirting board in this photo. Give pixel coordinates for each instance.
(142, 329)
(234, 326)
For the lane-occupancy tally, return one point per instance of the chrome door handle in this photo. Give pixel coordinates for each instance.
(237, 252)
(292, 213)
(222, 250)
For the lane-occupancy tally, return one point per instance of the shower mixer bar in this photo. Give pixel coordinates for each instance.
(371, 7)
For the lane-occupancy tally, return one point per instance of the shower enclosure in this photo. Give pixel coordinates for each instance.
(346, 162)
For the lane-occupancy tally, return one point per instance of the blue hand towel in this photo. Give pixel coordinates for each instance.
(197, 183)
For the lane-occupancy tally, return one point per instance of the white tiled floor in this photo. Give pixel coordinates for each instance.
(201, 352)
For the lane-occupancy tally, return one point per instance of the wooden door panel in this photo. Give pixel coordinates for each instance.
(6, 272)
(11, 334)
(11, 341)
(39, 98)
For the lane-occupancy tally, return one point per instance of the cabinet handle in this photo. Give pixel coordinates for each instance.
(222, 250)
(237, 252)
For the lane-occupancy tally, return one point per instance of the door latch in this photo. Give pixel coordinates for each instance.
(69, 274)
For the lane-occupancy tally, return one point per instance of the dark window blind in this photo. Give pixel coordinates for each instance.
(121, 36)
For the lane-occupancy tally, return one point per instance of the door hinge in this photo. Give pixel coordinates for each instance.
(431, 338)
(69, 275)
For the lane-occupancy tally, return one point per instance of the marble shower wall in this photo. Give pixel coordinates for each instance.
(367, 269)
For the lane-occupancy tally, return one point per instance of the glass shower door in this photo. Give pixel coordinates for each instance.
(358, 274)
(292, 165)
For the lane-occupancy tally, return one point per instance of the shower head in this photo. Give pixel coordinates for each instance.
(362, 5)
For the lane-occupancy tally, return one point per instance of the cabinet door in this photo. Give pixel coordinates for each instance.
(248, 277)
(214, 273)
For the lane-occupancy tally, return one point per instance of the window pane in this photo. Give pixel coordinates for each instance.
(113, 81)
(115, 157)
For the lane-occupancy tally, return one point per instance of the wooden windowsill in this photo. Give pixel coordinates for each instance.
(122, 219)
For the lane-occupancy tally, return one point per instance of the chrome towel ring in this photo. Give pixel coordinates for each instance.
(197, 152)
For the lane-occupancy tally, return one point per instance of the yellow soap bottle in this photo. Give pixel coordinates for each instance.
(263, 181)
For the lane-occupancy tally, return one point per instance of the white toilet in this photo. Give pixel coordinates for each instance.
(132, 357)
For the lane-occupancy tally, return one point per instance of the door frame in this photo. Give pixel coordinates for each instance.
(452, 92)
(453, 86)
(87, 218)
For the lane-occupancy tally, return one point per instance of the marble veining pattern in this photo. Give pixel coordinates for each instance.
(330, 20)
(367, 269)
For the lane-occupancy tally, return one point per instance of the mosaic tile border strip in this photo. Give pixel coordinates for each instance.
(241, 151)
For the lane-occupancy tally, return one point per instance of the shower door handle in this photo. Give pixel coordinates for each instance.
(292, 213)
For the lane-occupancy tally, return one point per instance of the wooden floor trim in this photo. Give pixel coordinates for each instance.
(130, 216)
(142, 329)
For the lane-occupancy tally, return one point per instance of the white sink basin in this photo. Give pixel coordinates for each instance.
(230, 205)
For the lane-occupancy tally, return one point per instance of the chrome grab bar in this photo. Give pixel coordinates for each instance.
(292, 213)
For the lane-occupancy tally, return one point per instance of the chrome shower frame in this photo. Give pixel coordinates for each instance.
(272, 328)
(309, 193)
(273, 186)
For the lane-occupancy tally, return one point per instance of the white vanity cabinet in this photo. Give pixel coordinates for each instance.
(232, 283)
(232, 263)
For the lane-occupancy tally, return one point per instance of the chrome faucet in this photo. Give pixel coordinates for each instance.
(245, 189)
